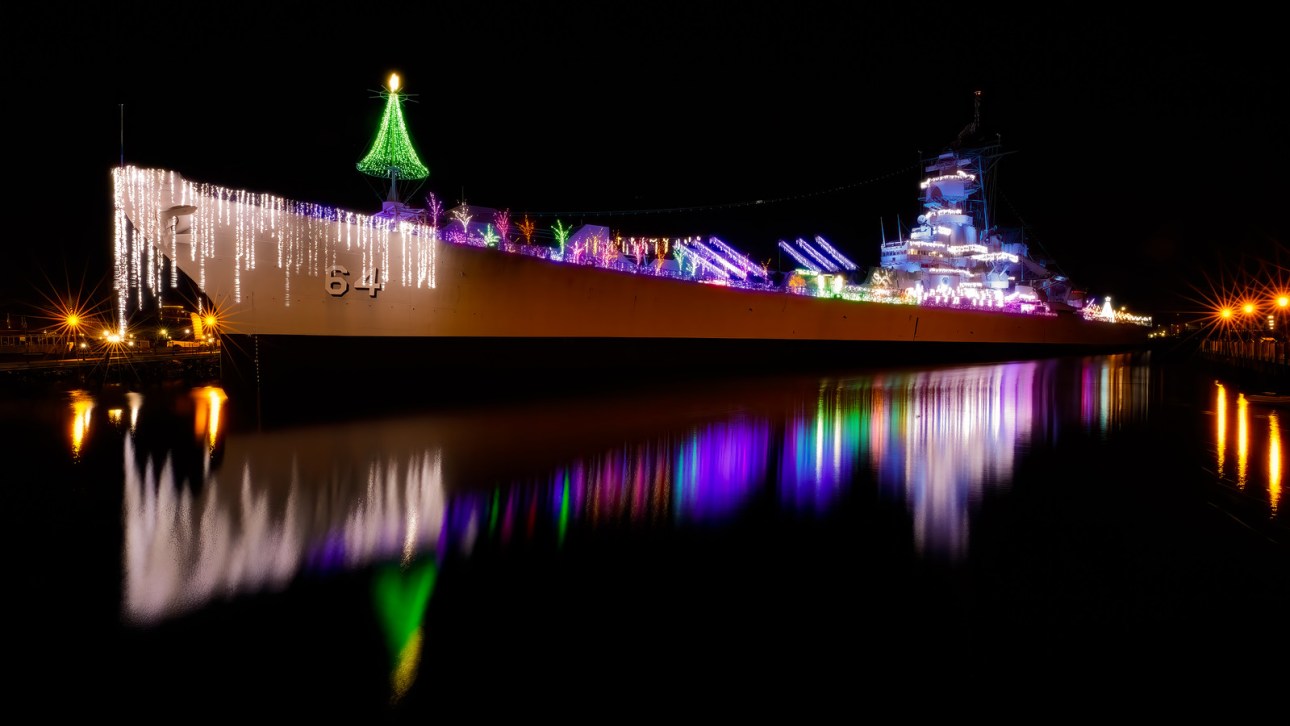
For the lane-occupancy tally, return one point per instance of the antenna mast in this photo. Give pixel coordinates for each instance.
(971, 128)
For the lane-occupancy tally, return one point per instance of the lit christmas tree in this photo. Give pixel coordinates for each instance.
(392, 156)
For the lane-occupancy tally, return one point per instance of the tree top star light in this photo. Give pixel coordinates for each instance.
(392, 155)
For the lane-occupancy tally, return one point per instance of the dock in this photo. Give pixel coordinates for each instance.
(1257, 365)
(38, 372)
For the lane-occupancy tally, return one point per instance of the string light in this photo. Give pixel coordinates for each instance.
(199, 220)
(798, 256)
(503, 222)
(561, 234)
(392, 155)
(527, 227)
(828, 248)
(814, 255)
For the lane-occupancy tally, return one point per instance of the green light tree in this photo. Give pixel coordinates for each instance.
(392, 155)
(561, 235)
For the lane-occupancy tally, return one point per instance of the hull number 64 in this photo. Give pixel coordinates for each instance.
(337, 283)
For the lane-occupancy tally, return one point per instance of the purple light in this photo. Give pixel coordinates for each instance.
(798, 256)
(744, 263)
(712, 256)
(815, 255)
(834, 253)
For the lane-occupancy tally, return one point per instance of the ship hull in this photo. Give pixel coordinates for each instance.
(312, 373)
(293, 288)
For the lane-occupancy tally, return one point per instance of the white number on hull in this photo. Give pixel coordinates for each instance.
(337, 285)
(373, 284)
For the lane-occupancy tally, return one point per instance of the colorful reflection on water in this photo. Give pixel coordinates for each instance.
(346, 495)
(403, 494)
(400, 594)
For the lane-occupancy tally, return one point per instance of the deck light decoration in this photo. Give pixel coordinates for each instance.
(801, 260)
(712, 258)
(527, 227)
(434, 209)
(502, 220)
(561, 234)
(202, 223)
(828, 248)
(307, 236)
(815, 255)
(462, 215)
(392, 155)
(748, 266)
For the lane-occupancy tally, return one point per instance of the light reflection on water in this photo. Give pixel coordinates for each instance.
(1275, 462)
(406, 550)
(82, 407)
(1256, 428)
(351, 494)
(214, 510)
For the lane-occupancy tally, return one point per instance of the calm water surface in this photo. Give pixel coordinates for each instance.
(773, 543)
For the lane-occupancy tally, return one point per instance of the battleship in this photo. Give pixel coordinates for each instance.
(302, 294)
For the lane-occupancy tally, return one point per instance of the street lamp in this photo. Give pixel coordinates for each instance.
(73, 323)
(1278, 324)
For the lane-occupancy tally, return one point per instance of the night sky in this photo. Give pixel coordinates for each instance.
(1143, 150)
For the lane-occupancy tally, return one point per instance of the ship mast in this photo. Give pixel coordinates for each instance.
(392, 155)
(981, 155)
(971, 129)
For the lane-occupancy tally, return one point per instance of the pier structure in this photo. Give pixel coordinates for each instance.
(40, 372)
(1261, 365)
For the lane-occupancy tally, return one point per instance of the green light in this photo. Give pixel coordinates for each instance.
(392, 156)
(492, 516)
(401, 596)
(564, 507)
(561, 234)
